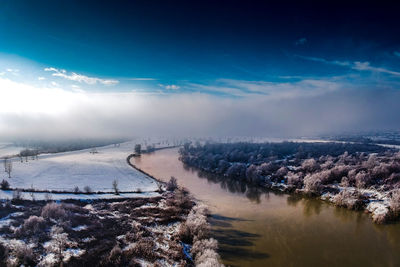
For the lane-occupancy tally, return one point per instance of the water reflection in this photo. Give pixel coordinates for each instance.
(234, 244)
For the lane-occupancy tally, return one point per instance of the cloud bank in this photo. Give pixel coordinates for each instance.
(80, 78)
(32, 112)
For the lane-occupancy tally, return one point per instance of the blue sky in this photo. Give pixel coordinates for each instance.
(150, 45)
(220, 50)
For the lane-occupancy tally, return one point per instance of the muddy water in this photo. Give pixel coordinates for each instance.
(256, 228)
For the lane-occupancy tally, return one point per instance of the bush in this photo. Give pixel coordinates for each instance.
(4, 185)
(312, 184)
(207, 258)
(172, 184)
(348, 199)
(145, 249)
(114, 257)
(22, 254)
(87, 189)
(34, 224)
(54, 211)
(201, 245)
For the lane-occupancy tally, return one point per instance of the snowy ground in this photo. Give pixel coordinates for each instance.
(64, 171)
(8, 149)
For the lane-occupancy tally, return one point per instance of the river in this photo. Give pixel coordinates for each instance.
(258, 228)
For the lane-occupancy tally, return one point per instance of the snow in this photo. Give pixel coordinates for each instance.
(64, 171)
(7, 194)
(80, 228)
(8, 149)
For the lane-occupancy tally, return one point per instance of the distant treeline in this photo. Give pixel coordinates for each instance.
(251, 153)
(63, 146)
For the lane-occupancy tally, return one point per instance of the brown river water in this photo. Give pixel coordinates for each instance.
(261, 228)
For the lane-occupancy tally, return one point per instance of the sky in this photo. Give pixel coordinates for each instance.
(197, 68)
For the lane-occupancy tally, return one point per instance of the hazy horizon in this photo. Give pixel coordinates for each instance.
(76, 70)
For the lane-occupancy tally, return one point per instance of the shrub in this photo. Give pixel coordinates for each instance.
(4, 185)
(201, 245)
(207, 258)
(379, 218)
(20, 254)
(310, 165)
(114, 257)
(34, 224)
(294, 179)
(54, 211)
(362, 179)
(312, 184)
(145, 249)
(172, 184)
(59, 241)
(349, 199)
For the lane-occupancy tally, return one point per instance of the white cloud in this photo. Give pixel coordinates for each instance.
(55, 84)
(141, 79)
(170, 86)
(366, 66)
(13, 71)
(41, 78)
(80, 78)
(356, 65)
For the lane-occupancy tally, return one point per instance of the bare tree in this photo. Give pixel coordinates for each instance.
(8, 167)
(115, 187)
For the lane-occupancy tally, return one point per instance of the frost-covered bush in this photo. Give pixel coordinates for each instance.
(34, 224)
(313, 182)
(362, 179)
(282, 171)
(58, 243)
(196, 226)
(19, 254)
(208, 258)
(349, 199)
(201, 245)
(295, 179)
(310, 165)
(54, 211)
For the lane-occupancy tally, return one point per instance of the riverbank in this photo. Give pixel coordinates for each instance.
(355, 176)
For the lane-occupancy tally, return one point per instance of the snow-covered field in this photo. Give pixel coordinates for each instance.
(64, 171)
(8, 149)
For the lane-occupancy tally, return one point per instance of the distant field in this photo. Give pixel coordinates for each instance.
(65, 171)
